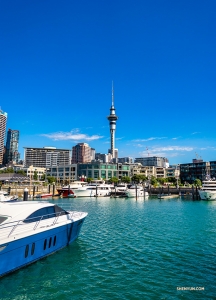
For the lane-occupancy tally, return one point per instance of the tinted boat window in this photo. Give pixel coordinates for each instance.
(59, 211)
(41, 214)
(2, 219)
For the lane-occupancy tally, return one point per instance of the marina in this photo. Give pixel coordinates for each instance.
(127, 249)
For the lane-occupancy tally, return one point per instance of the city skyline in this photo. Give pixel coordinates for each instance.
(58, 63)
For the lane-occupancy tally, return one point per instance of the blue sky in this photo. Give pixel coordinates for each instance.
(58, 60)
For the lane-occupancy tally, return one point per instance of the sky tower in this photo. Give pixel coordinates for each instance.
(112, 121)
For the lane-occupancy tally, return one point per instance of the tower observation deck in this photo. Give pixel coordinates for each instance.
(112, 122)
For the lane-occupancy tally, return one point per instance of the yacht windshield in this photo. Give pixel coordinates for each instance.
(3, 218)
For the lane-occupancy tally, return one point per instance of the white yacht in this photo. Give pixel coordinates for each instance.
(136, 191)
(208, 190)
(69, 190)
(93, 190)
(7, 198)
(31, 230)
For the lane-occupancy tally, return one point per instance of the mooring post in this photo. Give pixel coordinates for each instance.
(25, 195)
(53, 191)
(192, 192)
(34, 191)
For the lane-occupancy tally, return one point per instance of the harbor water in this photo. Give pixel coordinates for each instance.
(128, 249)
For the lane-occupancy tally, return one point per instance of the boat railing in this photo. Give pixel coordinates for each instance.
(44, 221)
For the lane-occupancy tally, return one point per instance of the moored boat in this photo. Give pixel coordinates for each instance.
(69, 190)
(136, 191)
(93, 190)
(31, 230)
(8, 198)
(208, 190)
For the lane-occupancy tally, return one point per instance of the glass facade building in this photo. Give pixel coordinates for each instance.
(191, 171)
(12, 143)
(3, 121)
(104, 171)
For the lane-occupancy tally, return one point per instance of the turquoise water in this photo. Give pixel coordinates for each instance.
(128, 249)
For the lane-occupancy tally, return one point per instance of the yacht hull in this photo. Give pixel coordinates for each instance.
(204, 195)
(20, 252)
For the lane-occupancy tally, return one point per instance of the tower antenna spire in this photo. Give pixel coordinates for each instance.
(112, 94)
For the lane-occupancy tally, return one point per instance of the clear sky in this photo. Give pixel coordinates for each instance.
(58, 60)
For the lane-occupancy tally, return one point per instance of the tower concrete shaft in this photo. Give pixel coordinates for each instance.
(112, 121)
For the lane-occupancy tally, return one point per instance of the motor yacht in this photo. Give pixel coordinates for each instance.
(136, 191)
(208, 190)
(68, 190)
(93, 190)
(31, 230)
(8, 198)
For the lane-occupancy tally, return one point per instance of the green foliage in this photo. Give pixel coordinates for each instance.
(51, 179)
(171, 180)
(22, 172)
(161, 180)
(43, 177)
(138, 178)
(35, 176)
(125, 179)
(153, 180)
(197, 182)
(113, 180)
(8, 170)
(89, 179)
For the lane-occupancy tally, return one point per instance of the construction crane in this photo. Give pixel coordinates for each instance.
(147, 151)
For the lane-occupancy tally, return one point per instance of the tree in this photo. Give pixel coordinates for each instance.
(22, 172)
(161, 180)
(125, 179)
(197, 182)
(8, 170)
(51, 179)
(113, 180)
(89, 179)
(35, 176)
(153, 181)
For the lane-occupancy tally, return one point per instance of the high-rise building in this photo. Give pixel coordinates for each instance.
(46, 157)
(3, 121)
(112, 122)
(12, 142)
(82, 153)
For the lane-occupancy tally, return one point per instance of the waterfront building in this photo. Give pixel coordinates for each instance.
(191, 171)
(212, 169)
(3, 122)
(31, 171)
(82, 153)
(101, 170)
(112, 122)
(173, 171)
(64, 174)
(11, 150)
(46, 157)
(153, 161)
